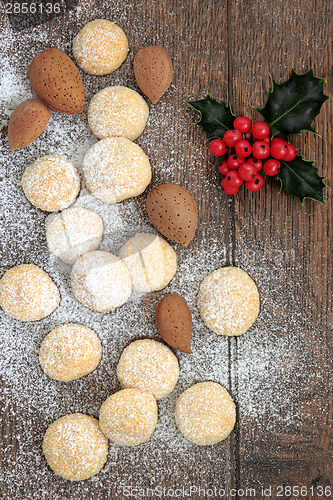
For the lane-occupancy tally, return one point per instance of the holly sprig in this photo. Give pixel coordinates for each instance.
(215, 117)
(291, 108)
(299, 178)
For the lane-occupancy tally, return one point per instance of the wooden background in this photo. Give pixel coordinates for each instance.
(229, 48)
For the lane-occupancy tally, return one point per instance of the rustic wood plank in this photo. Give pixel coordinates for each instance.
(285, 394)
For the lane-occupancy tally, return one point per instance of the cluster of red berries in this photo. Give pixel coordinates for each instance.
(246, 147)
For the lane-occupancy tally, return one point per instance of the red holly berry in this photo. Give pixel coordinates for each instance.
(279, 148)
(260, 130)
(278, 139)
(231, 137)
(233, 179)
(291, 153)
(234, 161)
(255, 184)
(242, 123)
(260, 150)
(255, 162)
(272, 167)
(248, 135)
(267, 140)
(227, 188)
(243, 148)
(217, 147)
(247, 171)
(223, 168)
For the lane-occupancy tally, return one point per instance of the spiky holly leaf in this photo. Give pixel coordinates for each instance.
(292, 105)
(215, 117)
(300, 178)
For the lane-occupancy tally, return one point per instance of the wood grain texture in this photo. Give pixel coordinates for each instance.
(228, 49)
(278, 239)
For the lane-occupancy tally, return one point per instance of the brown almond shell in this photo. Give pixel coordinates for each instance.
(174, 322)
(173, 212)
(153, 71)
(57, 81)
(26, 123)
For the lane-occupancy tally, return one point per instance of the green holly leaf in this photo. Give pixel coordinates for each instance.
(215, 118)
(300, 178)
(292, 105)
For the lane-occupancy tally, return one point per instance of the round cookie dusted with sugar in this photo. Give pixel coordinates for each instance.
(170, 261)
(73, 232)
(75, 447)
(117, 112)
(116, 169)
(128, 417)
(151, 261)
(51, 183)
(69, 352)
(148, 366)
(228, 301)
(28, 293)
(100, 47)
(101, 281)
(205, 413)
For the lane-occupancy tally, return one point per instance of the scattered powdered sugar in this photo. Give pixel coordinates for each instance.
(266, 369)
(67, 135)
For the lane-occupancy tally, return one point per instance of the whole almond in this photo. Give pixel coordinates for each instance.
(26, 123)
(57, 81)
(173, 212)
(174, 321)
(153, 71)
